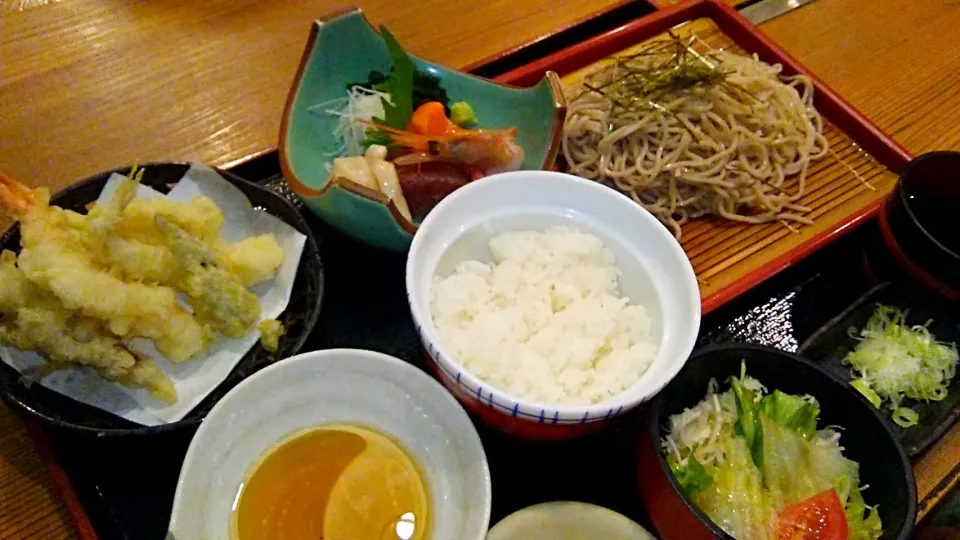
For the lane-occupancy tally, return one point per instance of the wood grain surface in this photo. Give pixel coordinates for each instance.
(87, 85)
(29, 505)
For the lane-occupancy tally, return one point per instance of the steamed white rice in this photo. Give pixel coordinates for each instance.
(544, 321)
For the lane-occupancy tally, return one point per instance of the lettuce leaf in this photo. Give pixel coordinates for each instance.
(736, 500)
(747, 424)
(690, 474)
(788, 471)
(792, 412)
(863, 522)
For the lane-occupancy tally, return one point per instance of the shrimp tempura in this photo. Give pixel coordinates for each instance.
(35, 320)
(53, 257)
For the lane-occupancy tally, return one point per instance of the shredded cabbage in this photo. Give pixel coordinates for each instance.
(743, 455)
(894, 361)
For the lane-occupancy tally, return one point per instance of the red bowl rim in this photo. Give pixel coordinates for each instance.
(912, 269)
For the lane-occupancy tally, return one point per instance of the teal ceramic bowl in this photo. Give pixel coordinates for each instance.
(343, 49)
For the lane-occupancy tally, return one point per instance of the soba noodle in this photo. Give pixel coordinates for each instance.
(734, 138)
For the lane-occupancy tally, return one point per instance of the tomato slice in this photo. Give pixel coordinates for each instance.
(820, 517)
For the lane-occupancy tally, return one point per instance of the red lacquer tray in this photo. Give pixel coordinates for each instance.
(844, 189)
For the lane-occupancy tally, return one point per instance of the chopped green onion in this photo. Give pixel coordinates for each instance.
(894, 361)
(864, 388)
(905, 417)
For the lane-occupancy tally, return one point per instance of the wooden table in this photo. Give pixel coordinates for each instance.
(87, 85)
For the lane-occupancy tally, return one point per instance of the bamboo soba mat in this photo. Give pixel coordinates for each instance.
(730, 257)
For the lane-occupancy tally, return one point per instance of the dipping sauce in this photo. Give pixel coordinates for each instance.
(337, 482)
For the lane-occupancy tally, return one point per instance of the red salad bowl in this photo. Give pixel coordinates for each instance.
(865, 437)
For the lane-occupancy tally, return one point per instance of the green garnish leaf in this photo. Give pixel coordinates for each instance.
(399, 85)
(690, 474)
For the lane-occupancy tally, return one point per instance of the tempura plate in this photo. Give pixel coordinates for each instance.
(299, 318)
(844, 189)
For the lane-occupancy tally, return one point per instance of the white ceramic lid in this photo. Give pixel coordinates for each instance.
(567, 520)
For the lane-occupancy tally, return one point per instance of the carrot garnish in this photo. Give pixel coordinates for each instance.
(431, 119)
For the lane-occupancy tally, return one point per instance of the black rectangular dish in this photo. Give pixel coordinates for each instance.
(834, 340)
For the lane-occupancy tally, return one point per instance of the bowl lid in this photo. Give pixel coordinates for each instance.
(567, 520)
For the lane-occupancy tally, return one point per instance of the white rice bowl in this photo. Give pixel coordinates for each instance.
(655, 273)
(544, 320)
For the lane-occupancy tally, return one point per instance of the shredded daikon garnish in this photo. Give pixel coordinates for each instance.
(361, 105)
(827, 436)
(698, 430)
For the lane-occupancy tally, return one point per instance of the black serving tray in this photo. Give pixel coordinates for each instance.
(127, 486)
(833, 341)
